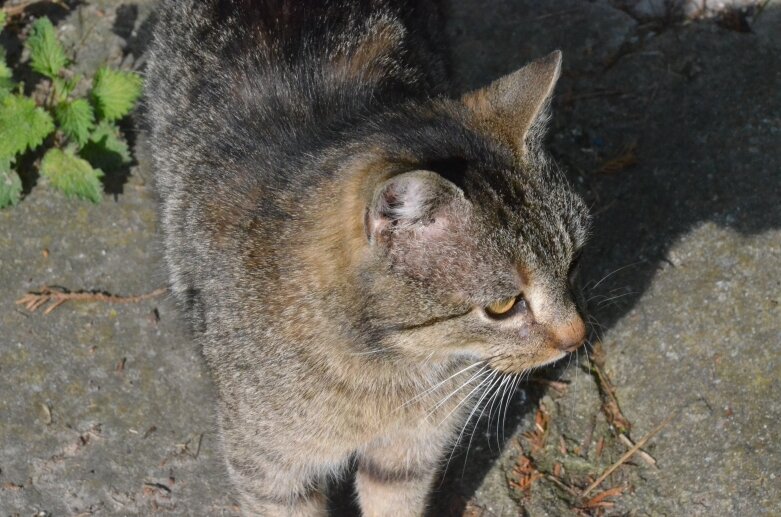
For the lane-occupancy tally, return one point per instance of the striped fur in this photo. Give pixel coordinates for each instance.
(334, 224)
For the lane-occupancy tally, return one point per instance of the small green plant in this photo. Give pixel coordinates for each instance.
(78, 131)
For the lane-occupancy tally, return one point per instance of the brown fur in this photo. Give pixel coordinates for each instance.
(335, 228)
(510, 106)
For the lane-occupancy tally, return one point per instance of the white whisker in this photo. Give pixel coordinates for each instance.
(489, 380)
(510, 396)
(494, 398)
(417, 397)
(462, 401)
(477, 422)
(603, 302)
(614, 272)
(439, 404)
(503, 400)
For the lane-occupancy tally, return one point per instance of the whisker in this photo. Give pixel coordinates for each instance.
(504, 399)
(468, 395)
(477, 422)
(605, 296)
(439, 404)
(596, 327)
(493, 389)
(577, 364)
(612, 298)
(614, 272)
(490, 380)
(510, 395)
(593, 320)
(497, 396)
(417, 397)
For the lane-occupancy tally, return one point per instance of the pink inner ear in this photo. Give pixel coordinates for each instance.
(435, 230)
(414, 206)
(375, 224)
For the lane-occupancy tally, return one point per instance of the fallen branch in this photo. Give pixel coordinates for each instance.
(628, 454)
(642, 454)
(625, 159)
(607, 391)
(600, 500)
(571, 491)
(33, 301)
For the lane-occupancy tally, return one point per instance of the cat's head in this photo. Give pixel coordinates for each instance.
(473, 234)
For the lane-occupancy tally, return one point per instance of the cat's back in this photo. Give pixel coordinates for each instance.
(246, 100)
(234, 75)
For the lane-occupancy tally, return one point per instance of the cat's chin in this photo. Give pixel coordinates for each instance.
(523, 366)
(557, 357)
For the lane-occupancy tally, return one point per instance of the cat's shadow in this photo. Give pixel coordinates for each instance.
(690, 132)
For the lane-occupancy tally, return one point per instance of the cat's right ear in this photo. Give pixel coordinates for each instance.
(510, 106)
(414, 205)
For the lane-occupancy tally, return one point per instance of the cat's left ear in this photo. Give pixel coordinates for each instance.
(510, 106)
(417, 205)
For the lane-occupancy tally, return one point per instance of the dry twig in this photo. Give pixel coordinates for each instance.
(556, 481)
(599, 500)
(536, 437)
(628, 454)
(641, 453)
(625, 158)
(609, 400)
(523, 475)
(33, 301)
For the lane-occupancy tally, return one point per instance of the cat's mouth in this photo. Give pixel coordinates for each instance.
(525, 363)
(546, 345)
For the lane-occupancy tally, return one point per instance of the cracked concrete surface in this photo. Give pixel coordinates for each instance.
(671, 130)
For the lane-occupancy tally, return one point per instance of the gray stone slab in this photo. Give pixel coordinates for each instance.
(97, 401)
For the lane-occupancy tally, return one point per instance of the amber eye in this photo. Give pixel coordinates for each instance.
(501, 307)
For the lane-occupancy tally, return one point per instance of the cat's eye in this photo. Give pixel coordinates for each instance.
(501, 307)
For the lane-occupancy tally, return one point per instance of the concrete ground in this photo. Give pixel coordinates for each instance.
(671, 129)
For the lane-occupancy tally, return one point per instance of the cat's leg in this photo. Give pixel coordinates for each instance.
(267, 488)
(395, 473)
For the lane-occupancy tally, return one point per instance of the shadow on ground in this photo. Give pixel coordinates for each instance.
(661, 127)
(664, 127)
(671, 132)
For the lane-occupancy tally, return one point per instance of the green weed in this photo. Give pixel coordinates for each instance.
(77, 134)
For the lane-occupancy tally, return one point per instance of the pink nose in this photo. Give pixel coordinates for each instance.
(568, 336)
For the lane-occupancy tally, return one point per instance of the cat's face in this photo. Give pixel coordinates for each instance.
(482, 239)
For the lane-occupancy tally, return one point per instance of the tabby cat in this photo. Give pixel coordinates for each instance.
(352, 244)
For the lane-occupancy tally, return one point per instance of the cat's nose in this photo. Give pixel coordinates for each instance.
(569, 335)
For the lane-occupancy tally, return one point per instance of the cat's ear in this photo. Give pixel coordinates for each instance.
(418, 204)
(511, 105)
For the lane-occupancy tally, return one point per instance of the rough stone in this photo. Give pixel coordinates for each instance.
(670, 130)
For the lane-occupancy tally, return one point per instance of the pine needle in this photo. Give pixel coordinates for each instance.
(57, 296)
(625, 159)
(628, 454)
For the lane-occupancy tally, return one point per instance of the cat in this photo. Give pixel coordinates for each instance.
(363, 257)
